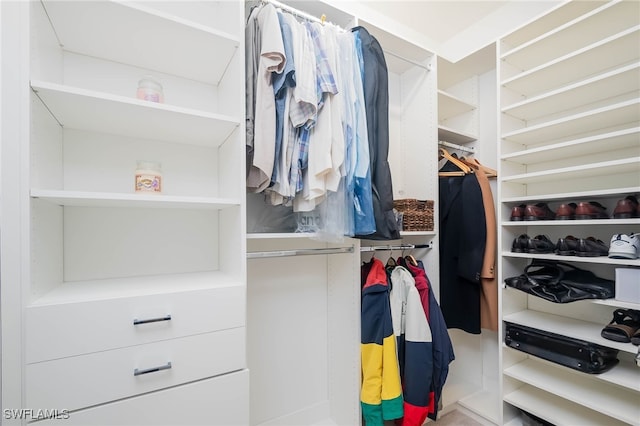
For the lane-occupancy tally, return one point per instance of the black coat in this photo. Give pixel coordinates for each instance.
(462, 241)
(376, 98)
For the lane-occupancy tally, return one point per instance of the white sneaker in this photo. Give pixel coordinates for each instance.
(624, 246)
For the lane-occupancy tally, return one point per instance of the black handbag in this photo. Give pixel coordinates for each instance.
(561, 282)
(573, 353)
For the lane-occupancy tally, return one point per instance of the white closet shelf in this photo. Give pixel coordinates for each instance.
(609, 18)
(107, 199)
(608, 85)
(417, 233)
(605, 168)
(455, 136)
(583, 330)
(580, 388)
(604, 260)
(618, 49)
(105, 113)
(546, 24)
(620, 303)
(113, 288)
(279, 235)
(618, 114)
(591, 195)
(139, 35)
(484, 404)
(561, 412)
(604, 142)
(451, 106)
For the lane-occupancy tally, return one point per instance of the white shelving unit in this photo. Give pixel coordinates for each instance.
(569, 133)
(147, 291)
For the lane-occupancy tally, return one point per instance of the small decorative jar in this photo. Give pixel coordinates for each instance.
(148, 177)
(150, 90)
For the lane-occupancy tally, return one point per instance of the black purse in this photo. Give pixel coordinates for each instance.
(560, 282)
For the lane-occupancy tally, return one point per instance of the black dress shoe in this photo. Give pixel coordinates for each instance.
(591, 247)
(540, 244)
(567, 246)
(519, 244)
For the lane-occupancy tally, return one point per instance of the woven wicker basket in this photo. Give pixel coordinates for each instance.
(417, 215)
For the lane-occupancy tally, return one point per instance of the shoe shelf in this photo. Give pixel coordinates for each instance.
(605, 168)
(617, 114)
(587, 29)
(561, 412)
(578, 259)
(569, 95)
(568, 223)
(608, 85)
(594, 144)
(571, 327)
(576, 65)
(612, 399)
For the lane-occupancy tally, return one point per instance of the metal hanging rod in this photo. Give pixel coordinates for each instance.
(469, 149)
(298, 252)
(398, 247)
(411, 61)
(322, 20)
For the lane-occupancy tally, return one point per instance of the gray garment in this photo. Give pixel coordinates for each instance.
(376, 96)
(253, 44)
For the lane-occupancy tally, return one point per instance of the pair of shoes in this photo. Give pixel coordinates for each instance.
(517, 213)
(539, 244)
(627, 208)
(624, 246)
(591, 210)
(539, 211)
(583, 247)
(624, 327)
(566, 211)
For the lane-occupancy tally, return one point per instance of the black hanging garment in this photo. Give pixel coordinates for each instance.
(463, 238)
(376, 97)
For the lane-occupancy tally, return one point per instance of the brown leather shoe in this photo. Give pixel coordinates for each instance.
(517, 213)
(540, 211)
(566, 211)
(626, 208)
(591, 210)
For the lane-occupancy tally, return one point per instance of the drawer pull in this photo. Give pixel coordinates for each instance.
(138, 372)
(147, 321)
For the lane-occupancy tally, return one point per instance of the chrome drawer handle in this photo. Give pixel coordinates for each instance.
(138, 372)
(147, 321)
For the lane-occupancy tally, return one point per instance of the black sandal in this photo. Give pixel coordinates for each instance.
(623, 327)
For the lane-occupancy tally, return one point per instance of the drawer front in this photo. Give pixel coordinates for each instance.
(220, 401)
(70, 329)
(81, 381)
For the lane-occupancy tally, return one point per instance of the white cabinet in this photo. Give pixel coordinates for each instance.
(114, 281)
(569, 124)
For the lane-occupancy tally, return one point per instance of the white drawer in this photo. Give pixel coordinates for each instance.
(69, 329)
(81, 381)
(220, 401)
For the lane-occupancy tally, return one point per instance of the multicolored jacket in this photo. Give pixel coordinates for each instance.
(415, 349)
(381, 393)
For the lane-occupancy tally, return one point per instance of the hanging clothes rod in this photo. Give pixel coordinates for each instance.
(468, 149)
(322, 20)
(298, 252)
(398, 247)
(411, 61)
